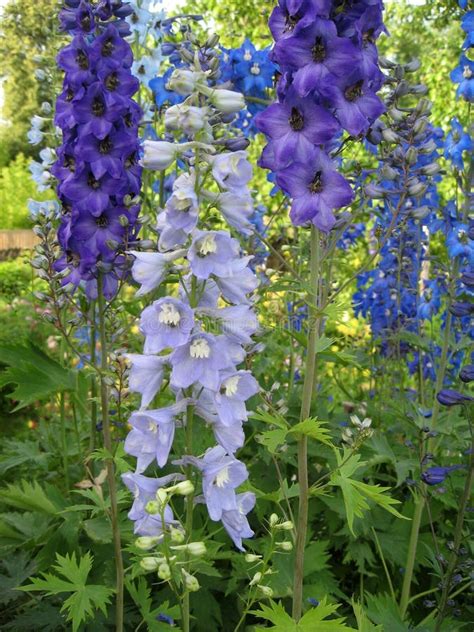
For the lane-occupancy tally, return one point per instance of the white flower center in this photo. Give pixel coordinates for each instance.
(169, 315)
(222, 477)
(467, 72)
(231, 385)
(152, 427)
(208, 245)
(248, 55)
(255, 70)
(199, 349)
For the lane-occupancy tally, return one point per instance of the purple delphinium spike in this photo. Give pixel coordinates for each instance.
(97, 170)
(329, 77)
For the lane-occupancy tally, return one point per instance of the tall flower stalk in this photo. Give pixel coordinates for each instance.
(327, 58)
(195, 334)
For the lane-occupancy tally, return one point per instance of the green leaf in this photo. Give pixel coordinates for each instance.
(84, 599)
(314, 620)
(36, 375)
(271, 439)
(269, 418)
(28, 496)
(324, 343)
(98, 529)
(314, 429)
(364, 624)
(356, 494)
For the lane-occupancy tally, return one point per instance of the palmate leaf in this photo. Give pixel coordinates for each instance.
(314, 620)
(364, 624)
(313, 428)
(84, 599)
(357, 494)
(36, 375)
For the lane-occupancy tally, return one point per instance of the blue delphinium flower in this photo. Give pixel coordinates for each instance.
(457, 142)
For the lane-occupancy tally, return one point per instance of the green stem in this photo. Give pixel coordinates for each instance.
(93, 382)
(308, 389)
(62, 416)
(104, 398)
(412, 546)
(189, 509)
(384, 564)
(453, 560)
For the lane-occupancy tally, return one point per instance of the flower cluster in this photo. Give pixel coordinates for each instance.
(463, 74)
(251, 72)
(406, 185)
(329, 69)
(97, 165)
(195, 337)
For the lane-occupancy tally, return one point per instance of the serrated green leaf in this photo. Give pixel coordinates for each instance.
(85, 598)
(364, 624)
(356, 494)
(314, 620)
(324, 343)
(313, 428)
(269, 418)
(271, 439)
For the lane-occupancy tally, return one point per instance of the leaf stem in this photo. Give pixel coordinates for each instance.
(411, 555)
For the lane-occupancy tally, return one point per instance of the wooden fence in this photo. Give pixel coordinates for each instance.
(13, 242)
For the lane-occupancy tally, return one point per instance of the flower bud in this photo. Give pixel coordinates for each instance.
(123, 219)
(183, 81)
(417, 189)
(413, 65)
(176, 535)
(146, 542)
(164, 571)
(273, 519)
(227, 101)
(256, 579)
(186, 118)
(421, 212)
(190, 581)
(432, 169)
(150, 563)
(374, 191)
(153, 507)
(158, 155)
(184, 488)
(420, 125)
(266, 591)
(250, 558)
(285, 546)
(193, 548)
(390, 136)
(388, 173)
(411, 156)
(285, 526)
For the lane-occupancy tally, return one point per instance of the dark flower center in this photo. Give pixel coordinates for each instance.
(102, 221)
(316, 184)
(105, 145)
(98, 106)
(354, 92)
(296, 120)
(134, 18)
(108, 47)
(69, 95)
(72, 258)
(141, 70)
(318, 51)
(92, 182)
(368, 37)
(130, 161)
(290, 22)
(70, 163)
(85, 21)
(128, 120)
(82, 60)
(112, 82)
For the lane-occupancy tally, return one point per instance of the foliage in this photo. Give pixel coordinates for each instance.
(16, 188)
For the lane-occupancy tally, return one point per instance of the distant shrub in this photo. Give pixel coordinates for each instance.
(15, 278)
